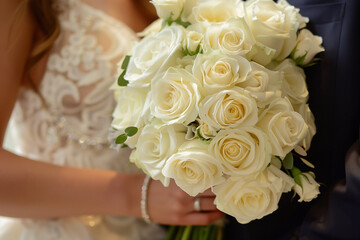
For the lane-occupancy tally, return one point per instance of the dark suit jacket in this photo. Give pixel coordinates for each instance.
(334, 86)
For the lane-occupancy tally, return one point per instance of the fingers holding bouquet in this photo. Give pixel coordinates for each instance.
(171, 205)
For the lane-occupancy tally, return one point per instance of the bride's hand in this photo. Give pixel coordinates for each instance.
(172, 206)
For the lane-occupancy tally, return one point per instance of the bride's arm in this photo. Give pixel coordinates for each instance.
(39, 190)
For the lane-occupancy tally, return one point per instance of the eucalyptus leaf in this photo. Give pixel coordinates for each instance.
(121, 139)
(131, 131)
(125, 62)
(288, 161)
(122, 81)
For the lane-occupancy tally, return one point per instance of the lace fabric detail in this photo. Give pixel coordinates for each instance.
(80, 69)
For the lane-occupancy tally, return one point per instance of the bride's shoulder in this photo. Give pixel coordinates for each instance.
(135, 14)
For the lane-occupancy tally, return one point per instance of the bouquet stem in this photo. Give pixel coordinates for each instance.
(211, 232)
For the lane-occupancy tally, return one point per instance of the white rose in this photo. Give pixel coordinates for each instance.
(188, 7)
(214, 11)
(193, 42)
(131, 108)
(284, 127)
(154, 54)
(175, 97)
(294, 84)
(166, 9)
(308, 116)
(232, 37)
(187, 62)
(309, 189)
(300, 19)
(193, 168)
(229, 109)
(274, 26)
(218, 71)
(206, 131)
(308, 44)
(263, 83)
(243, 151)
(247, 198)
(155, 145)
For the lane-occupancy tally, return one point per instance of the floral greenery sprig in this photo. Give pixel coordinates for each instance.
(129, 132)
(179, 21)
(121, 80)
(305, 186)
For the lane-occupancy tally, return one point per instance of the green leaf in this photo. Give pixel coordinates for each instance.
(125, 62)
(288, 161)
(182, 23)
(300, 60)
(170, 21)
(124, 146)
(121, 139)
(188, 52)
(131, 131)
(122, 81)
(296, 173)
(297, 179)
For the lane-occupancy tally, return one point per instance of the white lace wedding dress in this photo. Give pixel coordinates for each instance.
(72, 129)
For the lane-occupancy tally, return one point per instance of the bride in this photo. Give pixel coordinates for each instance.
(59, 179)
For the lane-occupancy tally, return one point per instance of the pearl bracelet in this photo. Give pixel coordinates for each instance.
(143, 202)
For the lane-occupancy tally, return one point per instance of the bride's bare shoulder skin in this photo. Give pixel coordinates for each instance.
(17, 29)
(137, 14)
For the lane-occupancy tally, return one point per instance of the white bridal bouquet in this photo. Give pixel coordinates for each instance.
(216, 98)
